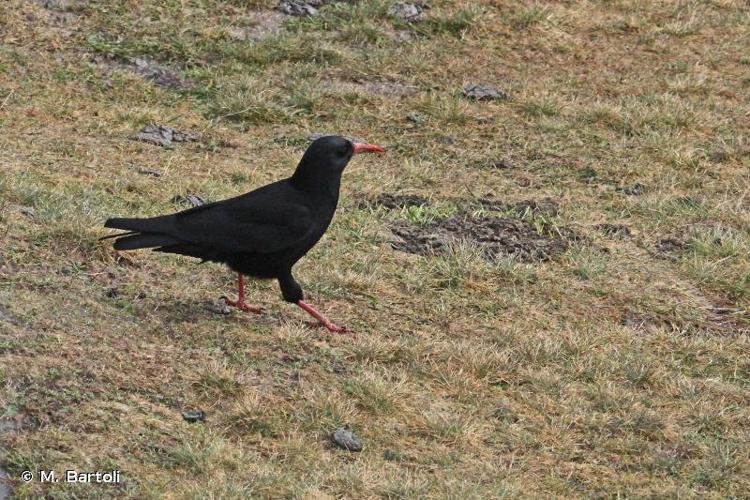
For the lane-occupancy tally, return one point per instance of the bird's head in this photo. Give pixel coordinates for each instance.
(330, 155)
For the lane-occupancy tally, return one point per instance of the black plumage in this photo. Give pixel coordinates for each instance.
(261, 234)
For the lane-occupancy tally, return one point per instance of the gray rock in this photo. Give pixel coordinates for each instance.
(344, 438)
(164, 136)
(297, 8)
(411, 12)
(150, 171)
(481, 92)
(193, 416)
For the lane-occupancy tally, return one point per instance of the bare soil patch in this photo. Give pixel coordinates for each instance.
(495, 236)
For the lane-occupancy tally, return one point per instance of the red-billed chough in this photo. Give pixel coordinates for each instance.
(262, 233)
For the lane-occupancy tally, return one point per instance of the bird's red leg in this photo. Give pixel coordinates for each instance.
(240, 302)
(322, 319)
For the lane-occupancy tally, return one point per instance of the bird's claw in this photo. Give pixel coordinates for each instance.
(242, 306)
(333, 328)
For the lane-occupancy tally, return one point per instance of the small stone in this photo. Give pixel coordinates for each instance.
(445, 139)
(344, 438)
(150, 171)
(481, 92)
(296, 8)
(411, 12)
(193, 416)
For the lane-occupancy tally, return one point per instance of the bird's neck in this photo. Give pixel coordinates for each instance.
(324, 188)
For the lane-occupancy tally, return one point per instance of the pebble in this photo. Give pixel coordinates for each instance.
(344, 438)
(193, 416)
(482, 92)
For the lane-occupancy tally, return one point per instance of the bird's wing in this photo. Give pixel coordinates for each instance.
(254, 224)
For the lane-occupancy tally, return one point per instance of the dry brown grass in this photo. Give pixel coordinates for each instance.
(617, 368)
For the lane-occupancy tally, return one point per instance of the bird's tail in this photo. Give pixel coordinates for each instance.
(142, 233)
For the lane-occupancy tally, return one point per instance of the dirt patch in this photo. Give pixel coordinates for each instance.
(668, 246)
(496, 237)
(680, 240)
(544, 206)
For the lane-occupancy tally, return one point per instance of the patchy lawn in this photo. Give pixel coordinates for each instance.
(613, 361)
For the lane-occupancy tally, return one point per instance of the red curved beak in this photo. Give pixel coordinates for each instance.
(367, 148)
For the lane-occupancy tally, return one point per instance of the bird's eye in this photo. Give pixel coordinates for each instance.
(343, 151)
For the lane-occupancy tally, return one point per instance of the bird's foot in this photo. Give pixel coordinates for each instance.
(322, 320)
(239, 304)
(332, 327)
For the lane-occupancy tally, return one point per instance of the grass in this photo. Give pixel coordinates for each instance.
(617, 368)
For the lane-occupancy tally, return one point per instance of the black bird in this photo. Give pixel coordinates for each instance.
(262, 233)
